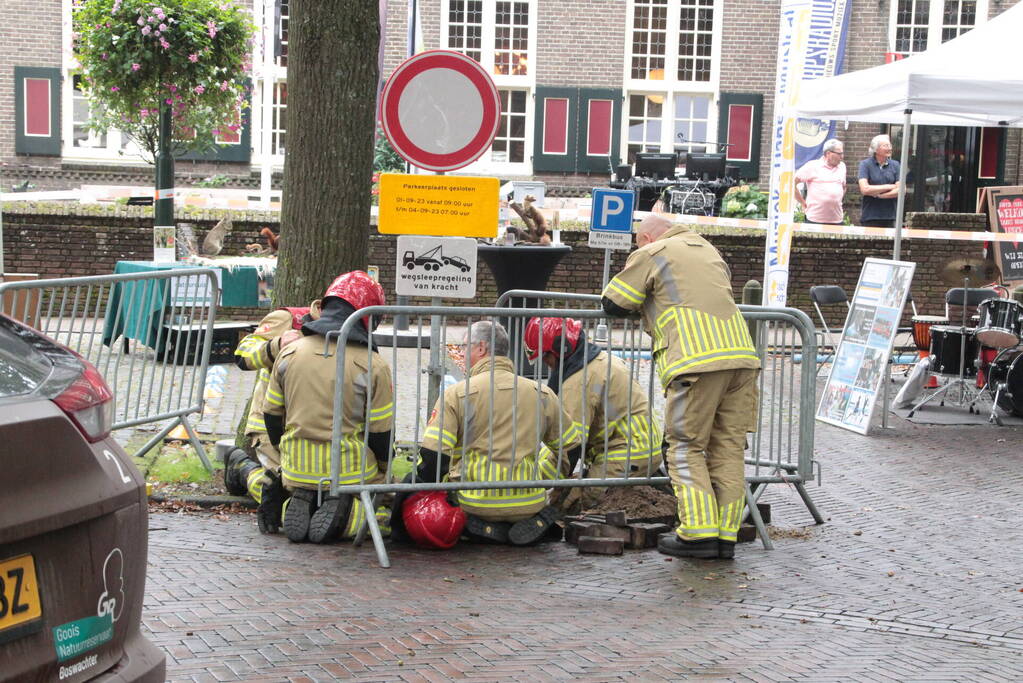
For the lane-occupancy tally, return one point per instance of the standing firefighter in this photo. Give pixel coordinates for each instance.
(256, 469)
(605, 402)
(708, 369)
(298, 412)
(491, 428)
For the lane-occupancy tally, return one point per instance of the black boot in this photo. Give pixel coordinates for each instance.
(726, 549)
(234, 477)
(479, 529)
(298, 515)
(531, 530)
(325, 522)
(671, 544)
(271, 501)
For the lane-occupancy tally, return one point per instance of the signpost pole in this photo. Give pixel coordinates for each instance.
(607, 269)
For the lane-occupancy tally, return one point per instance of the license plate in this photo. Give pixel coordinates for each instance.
(20, 604)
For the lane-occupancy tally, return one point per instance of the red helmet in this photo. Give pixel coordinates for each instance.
(552, 329)
(358, 289)
(297, 314)
(432, 521)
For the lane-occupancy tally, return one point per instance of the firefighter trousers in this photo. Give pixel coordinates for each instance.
(706, 418)
(269, 458)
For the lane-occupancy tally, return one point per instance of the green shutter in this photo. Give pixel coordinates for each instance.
(37, 110)
(602, 163)
(559, 154)
(748, 112)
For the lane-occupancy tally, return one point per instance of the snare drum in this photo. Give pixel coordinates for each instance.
(946, 345)
(1007, 375)
(999, 325)
(922, 330)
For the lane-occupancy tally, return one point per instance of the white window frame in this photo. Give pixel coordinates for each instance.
(671, 86)
(485, 164)
(111, 151)
(277, 74)
(935, 22)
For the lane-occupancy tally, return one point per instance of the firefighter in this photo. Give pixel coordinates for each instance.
(708, 369)
(298, 413)
(256, 468)
(606, 404)
(499, 413)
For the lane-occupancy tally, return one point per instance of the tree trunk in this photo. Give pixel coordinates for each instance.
(328, 163)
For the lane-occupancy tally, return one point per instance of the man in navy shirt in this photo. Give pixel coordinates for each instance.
(879, 184)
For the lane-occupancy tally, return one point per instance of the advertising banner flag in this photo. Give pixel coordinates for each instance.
(825, 52)
(793, 34)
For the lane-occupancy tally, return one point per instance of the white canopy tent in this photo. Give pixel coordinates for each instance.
(973, 80)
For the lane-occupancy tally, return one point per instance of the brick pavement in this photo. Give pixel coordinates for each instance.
(914, 577)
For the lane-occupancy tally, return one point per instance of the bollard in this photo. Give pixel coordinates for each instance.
(1017, 294)
(752, 294)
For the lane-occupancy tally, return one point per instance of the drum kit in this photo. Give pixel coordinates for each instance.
(979, 362)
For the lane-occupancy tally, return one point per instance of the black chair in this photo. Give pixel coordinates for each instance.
(960, 296)
(827, 295)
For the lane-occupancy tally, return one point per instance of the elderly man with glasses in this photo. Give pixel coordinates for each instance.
(824, 179)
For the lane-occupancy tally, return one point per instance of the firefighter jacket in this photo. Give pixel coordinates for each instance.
(683, 289)
(301, 389)
(257, 351)
(610, 408)
(501, 441)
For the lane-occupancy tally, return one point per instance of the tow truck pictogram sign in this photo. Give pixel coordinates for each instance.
(436, 266)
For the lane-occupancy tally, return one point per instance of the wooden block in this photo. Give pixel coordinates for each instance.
(645, 535)
(601, 546)
(747, 533)
(616, 518)
(622, 533)
(573, 530)
(765, 512)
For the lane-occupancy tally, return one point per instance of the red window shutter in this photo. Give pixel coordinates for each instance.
(599, 121)
(555, 125)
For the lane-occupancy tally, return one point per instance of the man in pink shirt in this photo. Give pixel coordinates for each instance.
(825, 185)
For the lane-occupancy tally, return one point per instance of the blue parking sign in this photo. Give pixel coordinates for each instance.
(612, 210)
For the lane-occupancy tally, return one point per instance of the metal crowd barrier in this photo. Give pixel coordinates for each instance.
(148, 334)
(780, 452)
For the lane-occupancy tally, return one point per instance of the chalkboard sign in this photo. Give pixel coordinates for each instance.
(1005, 214)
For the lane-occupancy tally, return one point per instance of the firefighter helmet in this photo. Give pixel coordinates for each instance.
(432, 521)
(358, 289)
(553, 328)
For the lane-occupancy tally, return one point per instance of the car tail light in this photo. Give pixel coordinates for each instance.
(89, 403)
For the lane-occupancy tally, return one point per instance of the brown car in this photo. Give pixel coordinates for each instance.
(73, 523)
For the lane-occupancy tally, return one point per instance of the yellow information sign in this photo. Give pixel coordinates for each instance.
(458, 206)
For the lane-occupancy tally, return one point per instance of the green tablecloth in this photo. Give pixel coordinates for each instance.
(139, 316)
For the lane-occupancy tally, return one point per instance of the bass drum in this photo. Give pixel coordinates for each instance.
(1007, 370)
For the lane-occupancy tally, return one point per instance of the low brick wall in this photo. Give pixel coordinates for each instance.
(70, 241)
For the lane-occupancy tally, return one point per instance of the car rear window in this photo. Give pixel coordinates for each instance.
(22, 367)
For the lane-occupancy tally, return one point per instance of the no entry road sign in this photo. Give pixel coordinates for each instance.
(440, 110)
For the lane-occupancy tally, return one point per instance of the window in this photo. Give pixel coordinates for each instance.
(918, 25)
(501, 36)
(671, 76)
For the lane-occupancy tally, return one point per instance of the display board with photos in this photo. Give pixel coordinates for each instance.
(861, 362)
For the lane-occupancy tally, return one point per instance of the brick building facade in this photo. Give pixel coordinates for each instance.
(617, 57)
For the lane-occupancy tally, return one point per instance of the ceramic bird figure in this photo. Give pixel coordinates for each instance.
(214, 240)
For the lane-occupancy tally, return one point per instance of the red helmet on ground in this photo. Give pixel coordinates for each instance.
(432, 521)
(552, 329)
(358, 289)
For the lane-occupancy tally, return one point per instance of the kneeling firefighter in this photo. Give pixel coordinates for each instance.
(255, 468)
(606, 404)
(298, 412)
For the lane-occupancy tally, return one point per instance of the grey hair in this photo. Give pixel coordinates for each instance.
(830, 145)
(876, 142)
(482, 330)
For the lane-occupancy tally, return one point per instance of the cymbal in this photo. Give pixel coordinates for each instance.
(979, 271)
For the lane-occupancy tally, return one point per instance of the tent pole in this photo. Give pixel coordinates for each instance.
(900, 203)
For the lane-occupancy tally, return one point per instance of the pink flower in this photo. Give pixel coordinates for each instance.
(162, 27)
(169, 101)
(223, 86)
(146, 30)
(135, 66)
(151, 20)
(193, 58)
(141, 21)
(164, 43)
(104, 56)
(114, 88)
(212, 29)
(172, 88)
(216, 132)
(144, 112)
(199, 90)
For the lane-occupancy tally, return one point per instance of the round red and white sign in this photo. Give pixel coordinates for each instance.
(440, 110)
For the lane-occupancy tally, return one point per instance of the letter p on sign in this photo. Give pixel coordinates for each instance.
(612, 210)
